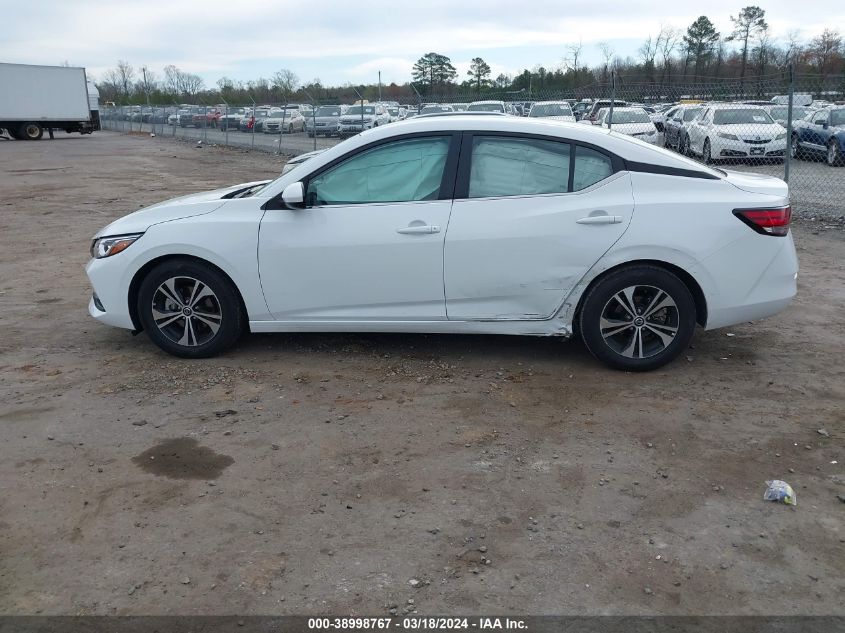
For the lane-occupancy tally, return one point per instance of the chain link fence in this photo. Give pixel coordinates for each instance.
(781, 126)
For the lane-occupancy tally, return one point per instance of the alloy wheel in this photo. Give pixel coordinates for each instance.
(186, 311)
(639, 321)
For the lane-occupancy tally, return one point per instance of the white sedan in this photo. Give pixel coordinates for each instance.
(630, 121)
(470, 224)
(553, 110)
(736, 131)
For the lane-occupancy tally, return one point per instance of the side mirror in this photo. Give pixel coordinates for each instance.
(293, 195)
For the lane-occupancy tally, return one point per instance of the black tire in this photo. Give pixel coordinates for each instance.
(683, 146)
(646, 338)
(795, 149)
(706, 152)
(30, 131)
(290, 128)
(223, 306)
(833, 156)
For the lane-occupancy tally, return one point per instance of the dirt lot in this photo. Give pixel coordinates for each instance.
(315, 474)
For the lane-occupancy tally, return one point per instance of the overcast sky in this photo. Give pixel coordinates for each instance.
(351, 40)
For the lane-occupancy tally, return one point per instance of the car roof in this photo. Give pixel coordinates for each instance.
(490, 101)
(557, 102)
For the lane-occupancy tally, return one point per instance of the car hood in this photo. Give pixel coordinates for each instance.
(173, 209)
(758, 183)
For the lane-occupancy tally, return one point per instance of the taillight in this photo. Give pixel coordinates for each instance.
(767, 221)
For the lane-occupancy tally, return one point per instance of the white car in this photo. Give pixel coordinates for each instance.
(285, 121)
(359, 118)
(488, 106)
(553, 110)
(630, 121)
(459, 224)
(724, 131)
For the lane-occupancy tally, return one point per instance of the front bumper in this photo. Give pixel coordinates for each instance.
(109, 304)
(725, 148)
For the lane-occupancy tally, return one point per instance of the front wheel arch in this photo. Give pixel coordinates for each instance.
(689, 281)
(135, 285)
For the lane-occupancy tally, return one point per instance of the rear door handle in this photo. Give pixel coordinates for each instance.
(600, 219)
(418, 230)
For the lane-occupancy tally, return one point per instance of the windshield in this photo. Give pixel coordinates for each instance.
(837, 117)
(551, 109)
(628, 116)
(690, 114)
(485, 107)
(744, 116)
(357, 110)
(328, 111)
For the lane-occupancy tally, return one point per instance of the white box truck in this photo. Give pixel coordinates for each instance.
(38, 98)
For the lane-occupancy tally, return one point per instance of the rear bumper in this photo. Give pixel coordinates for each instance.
(765, 293)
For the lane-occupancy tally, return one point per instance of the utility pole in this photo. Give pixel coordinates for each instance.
(379, 86)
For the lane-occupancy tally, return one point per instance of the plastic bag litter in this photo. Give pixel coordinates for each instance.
(780, 491)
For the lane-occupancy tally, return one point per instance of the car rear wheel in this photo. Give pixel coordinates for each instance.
(189, 309)
(834, 156)
(638, 318)
(30, 132)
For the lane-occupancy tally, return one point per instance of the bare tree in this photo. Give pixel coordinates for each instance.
(285, 80)
(823, 50)
(667, 42)
(573, 54)
(126, 75)
(648, 51)
(607, 54)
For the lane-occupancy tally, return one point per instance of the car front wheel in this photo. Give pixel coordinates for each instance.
(190, 309)
(834, 156)
(638, 318)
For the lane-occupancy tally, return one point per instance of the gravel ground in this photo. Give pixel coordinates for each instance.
(344, 474)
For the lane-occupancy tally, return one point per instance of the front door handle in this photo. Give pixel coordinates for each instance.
(601, 219)
(419, 229)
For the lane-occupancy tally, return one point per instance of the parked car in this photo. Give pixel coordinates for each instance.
(555, 110)
(631, 121)
(231, 119)
(325, 122)
(186, 117)
(780, 113)
(820, 133)
(580, 109)
(459, 107)
(253, 121)
(334, 245)
(590, 115)
(206, 117)
(488, 106)
(735, 131)
(436, 109)
(284, 121)
(674, 129)
(359, 118)
(798, 99)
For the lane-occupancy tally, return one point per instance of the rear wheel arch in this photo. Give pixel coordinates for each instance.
(689, 281)
(138, 278)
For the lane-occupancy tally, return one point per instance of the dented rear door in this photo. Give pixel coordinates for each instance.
(516, 257)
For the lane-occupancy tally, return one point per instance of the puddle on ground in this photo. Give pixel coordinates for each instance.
(183, 458)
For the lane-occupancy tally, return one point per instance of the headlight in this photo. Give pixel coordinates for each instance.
(730, 137)
(780, 137)
(108, 246)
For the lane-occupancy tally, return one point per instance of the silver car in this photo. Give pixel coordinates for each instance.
(324, 121)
